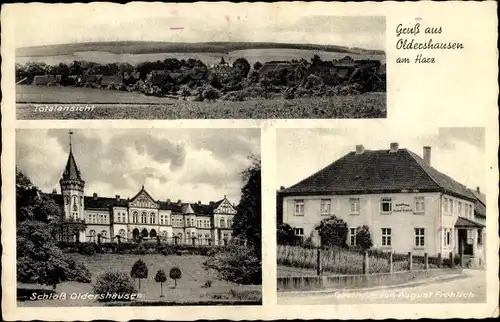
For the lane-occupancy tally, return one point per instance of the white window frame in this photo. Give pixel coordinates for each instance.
(301, 204)
(327, 202)
(355, 206)
(419, 237)
(386, 240)
(382, 202)
(297, 231)
(419, 200)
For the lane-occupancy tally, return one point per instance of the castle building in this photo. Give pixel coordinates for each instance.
(90, 218)
(408, 205)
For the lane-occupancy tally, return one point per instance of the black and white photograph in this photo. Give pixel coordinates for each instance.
(395, 218)
(138, 217)
(173, 61)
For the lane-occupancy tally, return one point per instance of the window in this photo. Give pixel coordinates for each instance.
(419, 205)
(386, 205)
(152, 218)
(91, 235)
(447, 236)
(479, 236)
(459, 208)
(66, 200)
(122, 233)
(143, 218)
(386, 237)
(222, 223)
(75, 204)
(326, 205)
(354, 205)
(229, 223)
(192, 222)
(104, 233)
(299, 207)
(164, 234)
(135, 217)
(81, 201)
(419, 237)
(451, 206)
(445, 201)
(298, 232)
(352, 237)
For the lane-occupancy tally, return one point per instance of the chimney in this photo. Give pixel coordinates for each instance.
(54, 191)
(168, 201)
(282, 187)
(117, 197)
(394, 147)
(360, 149)
(427, 154)
(95, 196)
(179, 201)
(478, 190)
(199, 202)
(211, 203)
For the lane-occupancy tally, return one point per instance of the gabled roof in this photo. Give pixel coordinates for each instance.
(480, 203)
(378, 172)
(71, 171)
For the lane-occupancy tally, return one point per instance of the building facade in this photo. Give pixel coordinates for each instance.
(407, 204)
(93, 218)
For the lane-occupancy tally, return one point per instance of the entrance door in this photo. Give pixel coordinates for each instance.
(464, 242)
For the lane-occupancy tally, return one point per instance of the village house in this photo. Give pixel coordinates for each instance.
(408, 205)
(47, 80)
(113, 219)
(298, 70)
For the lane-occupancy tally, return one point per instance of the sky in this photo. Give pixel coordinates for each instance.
(192, 165)
(457, 152)
(50, 24)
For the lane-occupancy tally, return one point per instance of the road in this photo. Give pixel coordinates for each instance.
(467, 289)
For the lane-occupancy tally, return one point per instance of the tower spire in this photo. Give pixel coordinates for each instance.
(71, 171)
(70, 133)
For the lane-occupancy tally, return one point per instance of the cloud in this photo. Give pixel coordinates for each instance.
(175, 164)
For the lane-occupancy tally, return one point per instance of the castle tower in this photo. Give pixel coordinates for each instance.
(72, 189)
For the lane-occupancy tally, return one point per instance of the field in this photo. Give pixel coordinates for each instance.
(125, 105)
(209, 53)
(189, 287)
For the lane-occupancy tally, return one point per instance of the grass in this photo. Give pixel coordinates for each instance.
(298, 261)
(125, 105)
(189, 287)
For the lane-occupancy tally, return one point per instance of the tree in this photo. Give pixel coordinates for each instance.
(210, 93)
(363, 237)
(257, 65)
(161, 278)
(333, 232)
(247, 221)
(139, 270)
(175, 274)
(285, 235)
(243, 66)
(237, 264)
(316, 60)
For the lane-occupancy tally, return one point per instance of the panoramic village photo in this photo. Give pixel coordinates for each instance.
(392, 218)
(182, 64)
(138, 217)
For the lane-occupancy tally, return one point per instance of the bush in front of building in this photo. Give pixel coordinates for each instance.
(363, 237)
(237, 263)
(333, 232)
(87, 248)
(113, 283)
(139, 271)
(285, 235)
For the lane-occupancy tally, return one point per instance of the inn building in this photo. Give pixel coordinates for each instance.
(90, 218)
(408, 205)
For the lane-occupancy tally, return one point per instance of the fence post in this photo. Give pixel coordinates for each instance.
(318, 262)
(410, 263)
(390, 262)
(461, 259)
(439, 260)
(450, 257)
(365, 263)
(426, 261)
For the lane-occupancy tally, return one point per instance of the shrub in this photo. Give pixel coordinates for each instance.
(114, 283)
(175, 274)
(77, 272)
(237, 264)
(87, 249)
(210, 93)
(333, 232)
(207, 284)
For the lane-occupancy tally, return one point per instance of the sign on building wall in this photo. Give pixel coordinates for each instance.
(402, 207)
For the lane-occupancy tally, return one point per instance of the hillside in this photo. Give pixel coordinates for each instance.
(150, 47)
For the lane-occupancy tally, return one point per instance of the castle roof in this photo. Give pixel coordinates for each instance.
(71, 171)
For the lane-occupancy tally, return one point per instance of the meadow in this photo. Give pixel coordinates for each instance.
(128, 105)
(189, 288)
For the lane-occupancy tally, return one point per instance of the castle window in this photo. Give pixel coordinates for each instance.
(75, 203)
(152, 218)
(222, 223)
(143, 218)
(135, 217)
(91, 236)
(122, 233)
(66, 200)
(229, 223)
